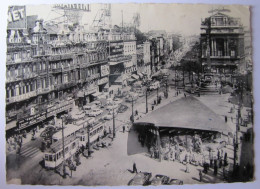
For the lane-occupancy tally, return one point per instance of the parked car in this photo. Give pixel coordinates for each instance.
(109, 116)
(132, 96)
(140, 179)
(175, 182)
(111, 107)
(154, 85)
(122, 108)
(95, 112)
(118, 101)
(159, 180)
(89, 106)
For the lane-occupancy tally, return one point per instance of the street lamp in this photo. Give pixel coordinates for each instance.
(63, 148)
(114, 127)
(146, 100)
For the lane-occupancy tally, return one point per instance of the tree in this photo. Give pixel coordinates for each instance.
(140, 37)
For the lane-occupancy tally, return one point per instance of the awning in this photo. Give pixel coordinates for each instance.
(10, 125)
(106, 86)
(140, 75)
(96, 94)
(130, 80)
(119, 80)
(80, 94)
(135, 76)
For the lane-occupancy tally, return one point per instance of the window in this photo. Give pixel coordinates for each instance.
(46, 157)
(66, 149)
(50, 157)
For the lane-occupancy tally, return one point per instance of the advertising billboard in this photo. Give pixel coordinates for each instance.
(104, 70)
(116, 48)
(16, 17)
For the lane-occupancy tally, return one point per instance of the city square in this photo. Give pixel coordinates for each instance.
(109, 104)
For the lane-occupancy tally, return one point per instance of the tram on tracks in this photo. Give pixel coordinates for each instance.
(69, 130)
(53, 157)
(95, 132)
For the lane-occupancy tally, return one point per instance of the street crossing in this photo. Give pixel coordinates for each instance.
(29, 152)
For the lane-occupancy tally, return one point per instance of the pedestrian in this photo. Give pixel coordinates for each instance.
(220, 163)
(152, 107)
(226, 119)
(187, 168)
(184, 95)
(154, 102)
(177, 93)
(224, 173)
(136, 112)
(134, 168)
(200, 174)
(225, 159)
(218, 154)
(215, 169)
(123, 128)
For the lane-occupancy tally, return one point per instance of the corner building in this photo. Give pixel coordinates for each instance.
(222, 44)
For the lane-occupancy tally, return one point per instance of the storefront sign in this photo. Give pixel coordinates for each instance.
(103, 81)
(116, 48)
(104, 70)
(16, 17)
(82, 7)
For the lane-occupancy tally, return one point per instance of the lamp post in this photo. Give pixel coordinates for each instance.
(114, 127)
(89, 153)
(63, 148)
(146, 100)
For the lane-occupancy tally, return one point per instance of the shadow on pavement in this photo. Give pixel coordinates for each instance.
(133, 145)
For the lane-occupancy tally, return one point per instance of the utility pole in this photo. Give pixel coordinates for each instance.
(166, 88)
(114, 127)
(89, 154)
(183, 75)
(132, 110)
(157, 94)
(146, 100)
(63, 149)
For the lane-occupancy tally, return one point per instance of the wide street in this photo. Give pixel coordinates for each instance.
(116, 167)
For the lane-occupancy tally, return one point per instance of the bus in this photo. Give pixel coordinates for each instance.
(95, 132)
(69, 130)
(53, 157)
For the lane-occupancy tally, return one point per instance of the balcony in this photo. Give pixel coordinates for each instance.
(19, 60)
(20, 77)
(64, 85)
(56, 70)
(21, 97)
(45, 90)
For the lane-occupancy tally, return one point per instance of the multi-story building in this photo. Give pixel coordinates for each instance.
(122, 55)
(222, 43)
(46, 66)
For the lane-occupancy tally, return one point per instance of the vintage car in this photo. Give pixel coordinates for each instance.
(95, 112)
(140, 179)
(175, 182)
(160, 180)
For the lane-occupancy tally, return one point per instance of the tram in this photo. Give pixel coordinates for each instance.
(94, 132)
(69, 130)
(53, 157)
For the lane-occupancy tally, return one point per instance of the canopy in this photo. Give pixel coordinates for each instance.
(140, 75)
(135, 76)
(186, 113)
(80, 94)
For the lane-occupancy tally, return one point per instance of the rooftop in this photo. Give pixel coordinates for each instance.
(187, 113)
